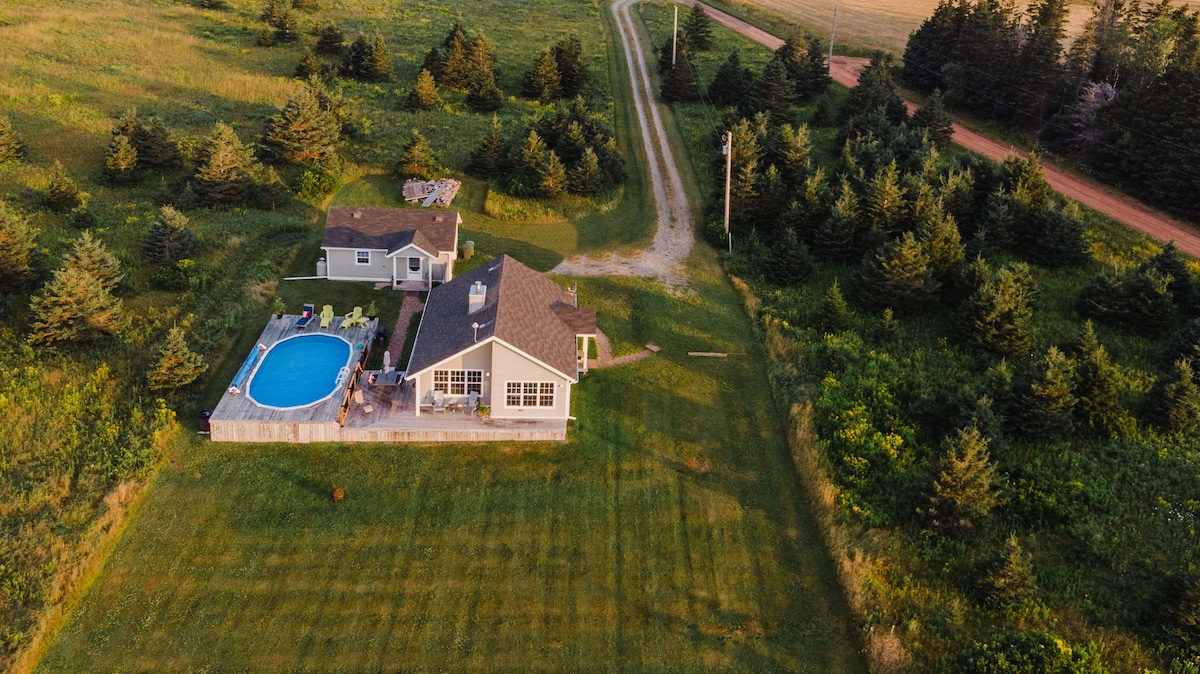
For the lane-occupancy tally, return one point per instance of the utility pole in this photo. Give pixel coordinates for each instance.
(832, 31)
(727, 150)
(675, 35)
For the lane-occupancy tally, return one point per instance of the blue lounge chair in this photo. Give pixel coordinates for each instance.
(306, 315)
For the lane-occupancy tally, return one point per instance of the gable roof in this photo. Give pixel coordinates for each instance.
(522, 308)
(391, 229)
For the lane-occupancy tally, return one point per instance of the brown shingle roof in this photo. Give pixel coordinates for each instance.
(391, 229)
(522, 307)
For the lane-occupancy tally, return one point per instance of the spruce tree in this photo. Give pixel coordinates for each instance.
(177, 365)
(416, 159)
(1174, 402)
(304, 5)
(226, 169)
(432, 63)
(938, 234)
(12, 146)
(965, 489)
(805, 67)
(154, 146)
(481, 61)
(552, 178)
(1010, 583)
(286, 29)
(1057, 239)
(1049, 401)
(490, 159)
(998, 317)
(304, 132)
(1187, 342)
(1171, 262)
(790, 263)
(169, 239)
(18, 246)
(834, 314)
(896, 275)
(92, 256)
(272, 10)
(698, 28)
(875, 91)
(585, 179)
(60, 195)
(74, 306)
(120, 162)
(571, 144)
(309, 66)
(367, 60)
(424, 95)
(731, 85)
(935, 120)
(573, 75)
(795, 153)
(837, 237)
(531, 157)
(1096, 383)
(883, 202)
(484, 95)
(271, 193)
(266, 37)
(542, 81)
(1149, 307)
(454, 71)
(679, 83)
(331, 41)
(772, 93)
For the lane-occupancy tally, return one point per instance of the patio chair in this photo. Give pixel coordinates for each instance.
(326, 316)
(358, 399)
(439, 401)
(354, 318)
(306, 316)
(472, 402)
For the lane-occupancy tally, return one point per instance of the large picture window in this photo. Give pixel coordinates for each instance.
(458, 382)
(529, 394)
(362, 257)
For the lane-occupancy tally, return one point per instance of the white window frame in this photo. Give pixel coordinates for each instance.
(411, 269)
(358, 257)
(535, 394)
(458, 382)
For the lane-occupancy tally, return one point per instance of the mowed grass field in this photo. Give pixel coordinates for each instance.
(861, 24)
(665, 535)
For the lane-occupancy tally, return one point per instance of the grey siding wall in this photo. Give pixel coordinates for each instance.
(479, 358)
(342, 265)
(509, 365)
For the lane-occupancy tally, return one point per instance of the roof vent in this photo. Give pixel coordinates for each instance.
(476, 297)
(357, 215)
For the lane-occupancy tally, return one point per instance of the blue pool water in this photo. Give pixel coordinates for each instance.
(300, 371)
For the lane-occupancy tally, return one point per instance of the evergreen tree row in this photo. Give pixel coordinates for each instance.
(571, 150)
(1121, 95)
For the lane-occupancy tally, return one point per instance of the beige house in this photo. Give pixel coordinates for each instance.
(411, 249)
(505, 333)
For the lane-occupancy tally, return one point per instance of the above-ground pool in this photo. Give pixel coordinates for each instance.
(300, 371)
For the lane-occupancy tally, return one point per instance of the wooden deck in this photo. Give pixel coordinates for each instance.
(237, 418)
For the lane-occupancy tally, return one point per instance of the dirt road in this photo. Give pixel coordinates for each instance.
(673, 237)
(1120, 207)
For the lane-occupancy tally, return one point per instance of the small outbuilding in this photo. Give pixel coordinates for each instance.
(410, 249)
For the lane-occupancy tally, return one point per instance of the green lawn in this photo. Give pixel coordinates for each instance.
(665, 534)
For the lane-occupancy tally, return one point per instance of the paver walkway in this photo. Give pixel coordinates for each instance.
(412, 304)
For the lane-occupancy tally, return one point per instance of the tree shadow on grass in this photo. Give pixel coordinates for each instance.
(488, 246)
(302, 482)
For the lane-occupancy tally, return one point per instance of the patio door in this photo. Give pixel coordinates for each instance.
(414, 269)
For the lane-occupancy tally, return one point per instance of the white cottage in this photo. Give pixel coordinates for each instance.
(411, 249)
(506, 333)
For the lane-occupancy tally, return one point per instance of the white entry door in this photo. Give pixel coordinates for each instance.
(414, 269)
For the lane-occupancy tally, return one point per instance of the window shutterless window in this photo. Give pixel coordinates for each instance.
(414, 264)
(362, 257)
(458, 382)
(529, 394)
